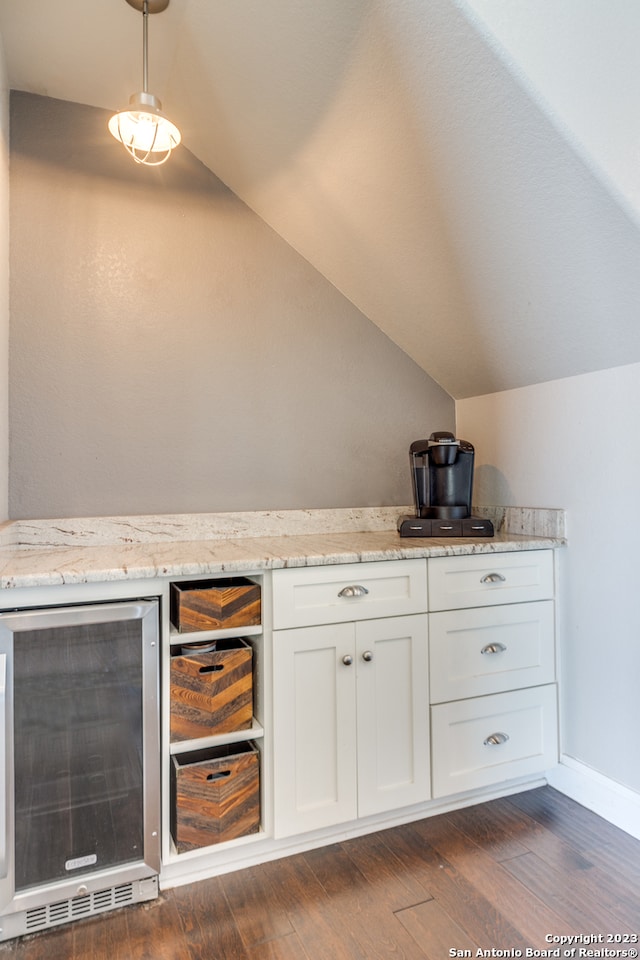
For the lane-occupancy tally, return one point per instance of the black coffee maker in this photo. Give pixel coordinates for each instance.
(442, 478)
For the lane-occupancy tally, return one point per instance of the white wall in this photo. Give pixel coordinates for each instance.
(4, 287)
(575, 443)
(578, 59)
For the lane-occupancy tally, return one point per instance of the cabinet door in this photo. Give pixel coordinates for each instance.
(314, 728)
(393, 713)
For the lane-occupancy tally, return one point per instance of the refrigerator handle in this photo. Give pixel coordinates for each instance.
(3, 765)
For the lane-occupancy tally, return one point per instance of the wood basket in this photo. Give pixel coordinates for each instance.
(212, 692)
(215, 604)
(216, 795)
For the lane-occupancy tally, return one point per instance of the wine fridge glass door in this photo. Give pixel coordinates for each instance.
(79, 792)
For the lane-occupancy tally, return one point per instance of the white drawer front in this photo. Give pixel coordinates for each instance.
(490, 650)
(483, 580)
(523, 724)
(303, 596)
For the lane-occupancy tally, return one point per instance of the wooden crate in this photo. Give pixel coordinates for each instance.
(215, 604)
(215, 795)
(212, 692)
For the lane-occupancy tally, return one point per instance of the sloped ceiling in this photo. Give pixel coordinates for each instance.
(398, 148)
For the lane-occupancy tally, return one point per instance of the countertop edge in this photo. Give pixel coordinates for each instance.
(55, 566)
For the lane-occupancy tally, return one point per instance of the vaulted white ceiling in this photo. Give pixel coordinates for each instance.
(418, 153)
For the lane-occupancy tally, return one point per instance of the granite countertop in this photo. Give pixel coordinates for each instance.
(98, 550)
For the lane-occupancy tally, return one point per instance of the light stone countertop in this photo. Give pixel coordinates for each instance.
(90, 550)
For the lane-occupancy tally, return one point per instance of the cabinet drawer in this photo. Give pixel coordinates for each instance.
(304, 596)
(491, 739)
(483, 580)
(491, 650)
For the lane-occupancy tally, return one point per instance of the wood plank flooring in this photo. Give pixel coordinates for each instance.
(497, 876)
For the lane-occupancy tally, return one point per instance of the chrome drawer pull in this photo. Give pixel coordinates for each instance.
(493, 578)
(347, 660)
(496, 739)
(356, 590)
(494, 648)
(368, 656)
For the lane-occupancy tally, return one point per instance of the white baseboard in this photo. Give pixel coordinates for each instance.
(609, 799)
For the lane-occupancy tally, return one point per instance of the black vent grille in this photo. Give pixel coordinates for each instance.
(36, 918)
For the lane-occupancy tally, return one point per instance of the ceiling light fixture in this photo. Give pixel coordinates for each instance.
(143, 129)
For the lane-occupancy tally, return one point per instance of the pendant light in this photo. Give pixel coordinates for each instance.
(143, 129)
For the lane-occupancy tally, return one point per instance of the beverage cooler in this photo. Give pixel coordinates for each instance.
(79, 762)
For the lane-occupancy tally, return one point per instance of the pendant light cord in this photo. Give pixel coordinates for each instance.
(145, 37)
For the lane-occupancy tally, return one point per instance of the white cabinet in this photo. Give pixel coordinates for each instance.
(492, 669)
(379, 705)
(351, 711)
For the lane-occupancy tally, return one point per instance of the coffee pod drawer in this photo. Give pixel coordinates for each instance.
(491, 739)
(482, 580)
(215, 795)
(306, 596)
(211, 686)
(489, 650)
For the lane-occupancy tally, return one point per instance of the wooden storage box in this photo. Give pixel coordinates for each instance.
(215, 604)
(212, 692)
(215, 795)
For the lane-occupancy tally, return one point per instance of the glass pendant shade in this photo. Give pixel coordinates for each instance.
(145, 132)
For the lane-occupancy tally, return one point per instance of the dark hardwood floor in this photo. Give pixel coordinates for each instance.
(497, 876)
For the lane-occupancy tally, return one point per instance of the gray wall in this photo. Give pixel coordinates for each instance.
(171, 353)
(4, 289)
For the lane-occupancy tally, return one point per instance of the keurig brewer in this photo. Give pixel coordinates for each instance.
(442, 478)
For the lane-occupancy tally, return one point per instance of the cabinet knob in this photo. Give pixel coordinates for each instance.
(494, 648)
(354, 590)
(495, 739)
(347, 660)
(493, 578)
(368, 656)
